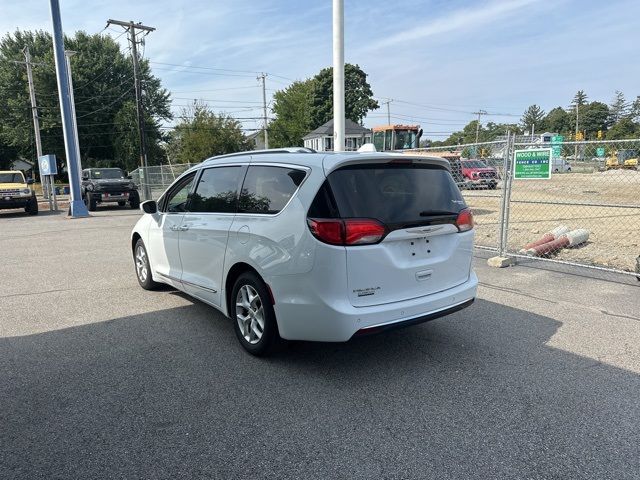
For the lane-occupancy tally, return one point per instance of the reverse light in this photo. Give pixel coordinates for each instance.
(464, 222)
(351, 231)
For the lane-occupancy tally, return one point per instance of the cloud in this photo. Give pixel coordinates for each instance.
(458, 20)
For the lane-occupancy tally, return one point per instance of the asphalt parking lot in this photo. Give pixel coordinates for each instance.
(539, 379)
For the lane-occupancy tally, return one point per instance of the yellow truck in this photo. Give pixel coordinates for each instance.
(16, 193)
(627, 158)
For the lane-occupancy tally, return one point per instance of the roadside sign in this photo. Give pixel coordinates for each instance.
(600, 151)
(556, 146)
(532, 164)
(48, 165)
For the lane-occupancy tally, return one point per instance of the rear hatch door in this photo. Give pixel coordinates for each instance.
(424, 252)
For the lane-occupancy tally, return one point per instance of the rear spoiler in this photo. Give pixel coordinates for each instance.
(333, 162)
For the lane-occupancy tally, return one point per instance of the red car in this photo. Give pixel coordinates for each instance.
(476, 173)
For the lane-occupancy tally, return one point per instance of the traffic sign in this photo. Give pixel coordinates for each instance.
(600, 151)
(556, 146)
(532, 164)
(48, 165)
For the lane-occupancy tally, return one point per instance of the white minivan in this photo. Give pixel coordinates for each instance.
(293, 244)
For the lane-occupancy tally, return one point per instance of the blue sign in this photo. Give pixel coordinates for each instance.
(48, 165)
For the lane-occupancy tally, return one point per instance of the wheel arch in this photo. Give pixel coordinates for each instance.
(232, 275)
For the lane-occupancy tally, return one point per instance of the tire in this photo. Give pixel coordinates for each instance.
(122, 203)
(241, 303)
(32, 207)
(90, 202)
(142, 266)
(134, 201)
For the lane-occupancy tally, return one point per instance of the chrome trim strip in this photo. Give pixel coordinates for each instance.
(212, 290)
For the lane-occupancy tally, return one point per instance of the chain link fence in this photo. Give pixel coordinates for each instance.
(587, 213)
(153, 181)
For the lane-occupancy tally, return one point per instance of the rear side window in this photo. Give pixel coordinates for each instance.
(392, 194)
(217, 190)
(268, 189)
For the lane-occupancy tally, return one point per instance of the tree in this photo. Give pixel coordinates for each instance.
(579, 99)
(618, 109)
(558, 121)
(593, 117)
(624, 128)
(201, 134)
(533, 116)
(103, 90)
(635, 110)
(292, 109)
(358, 97)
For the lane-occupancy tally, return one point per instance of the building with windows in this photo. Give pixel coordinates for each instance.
(321, 139)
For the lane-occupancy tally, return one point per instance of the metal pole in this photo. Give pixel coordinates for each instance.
(503, 205)
(77, 207)
(575, 152)
(388, 112)
(44, 181)
(264, 106)
(338, 75)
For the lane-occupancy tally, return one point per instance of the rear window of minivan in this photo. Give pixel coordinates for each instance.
(394, 194)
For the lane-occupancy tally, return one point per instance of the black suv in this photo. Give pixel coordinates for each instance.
(102, 185)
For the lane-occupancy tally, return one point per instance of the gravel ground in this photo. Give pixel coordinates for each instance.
(614, 231)
(539, 379)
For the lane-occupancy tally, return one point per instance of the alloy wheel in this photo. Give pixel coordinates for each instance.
(141, 263)
(250, 314)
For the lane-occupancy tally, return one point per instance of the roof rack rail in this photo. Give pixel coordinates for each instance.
(264, 152)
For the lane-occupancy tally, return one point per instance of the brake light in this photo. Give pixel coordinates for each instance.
(328, 231)
(363, 231)
(464, 222)
(352, 231)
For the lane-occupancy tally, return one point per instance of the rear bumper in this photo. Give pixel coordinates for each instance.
(306, 315)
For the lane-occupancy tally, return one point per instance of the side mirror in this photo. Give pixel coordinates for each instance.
(30, 181)
(150, 206)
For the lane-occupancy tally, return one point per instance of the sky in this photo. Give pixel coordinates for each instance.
(438, 61)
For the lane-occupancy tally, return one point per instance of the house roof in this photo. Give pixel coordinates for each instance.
(350, 128)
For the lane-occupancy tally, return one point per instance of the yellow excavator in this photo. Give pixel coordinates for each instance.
(627, 158)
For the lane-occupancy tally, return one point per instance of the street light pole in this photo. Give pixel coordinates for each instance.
(77, 207)
(338, 75)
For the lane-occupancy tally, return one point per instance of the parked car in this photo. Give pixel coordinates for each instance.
(108, 185)
(477, 174)
(560, 165)
(310, 246)
(16, 193)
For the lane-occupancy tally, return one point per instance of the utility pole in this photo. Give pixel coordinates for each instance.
(338, 75)
(77, 207)
(36, 122)
(479, 113)
(388, 110)
(262, 77)
(131, 27)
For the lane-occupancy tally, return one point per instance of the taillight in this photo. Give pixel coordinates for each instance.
(464, 222)
(363, 231)
(329, 231)
(352, 231)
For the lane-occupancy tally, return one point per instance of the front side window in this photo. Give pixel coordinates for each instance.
(268, 189)
(179, 196)
(217, 190)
